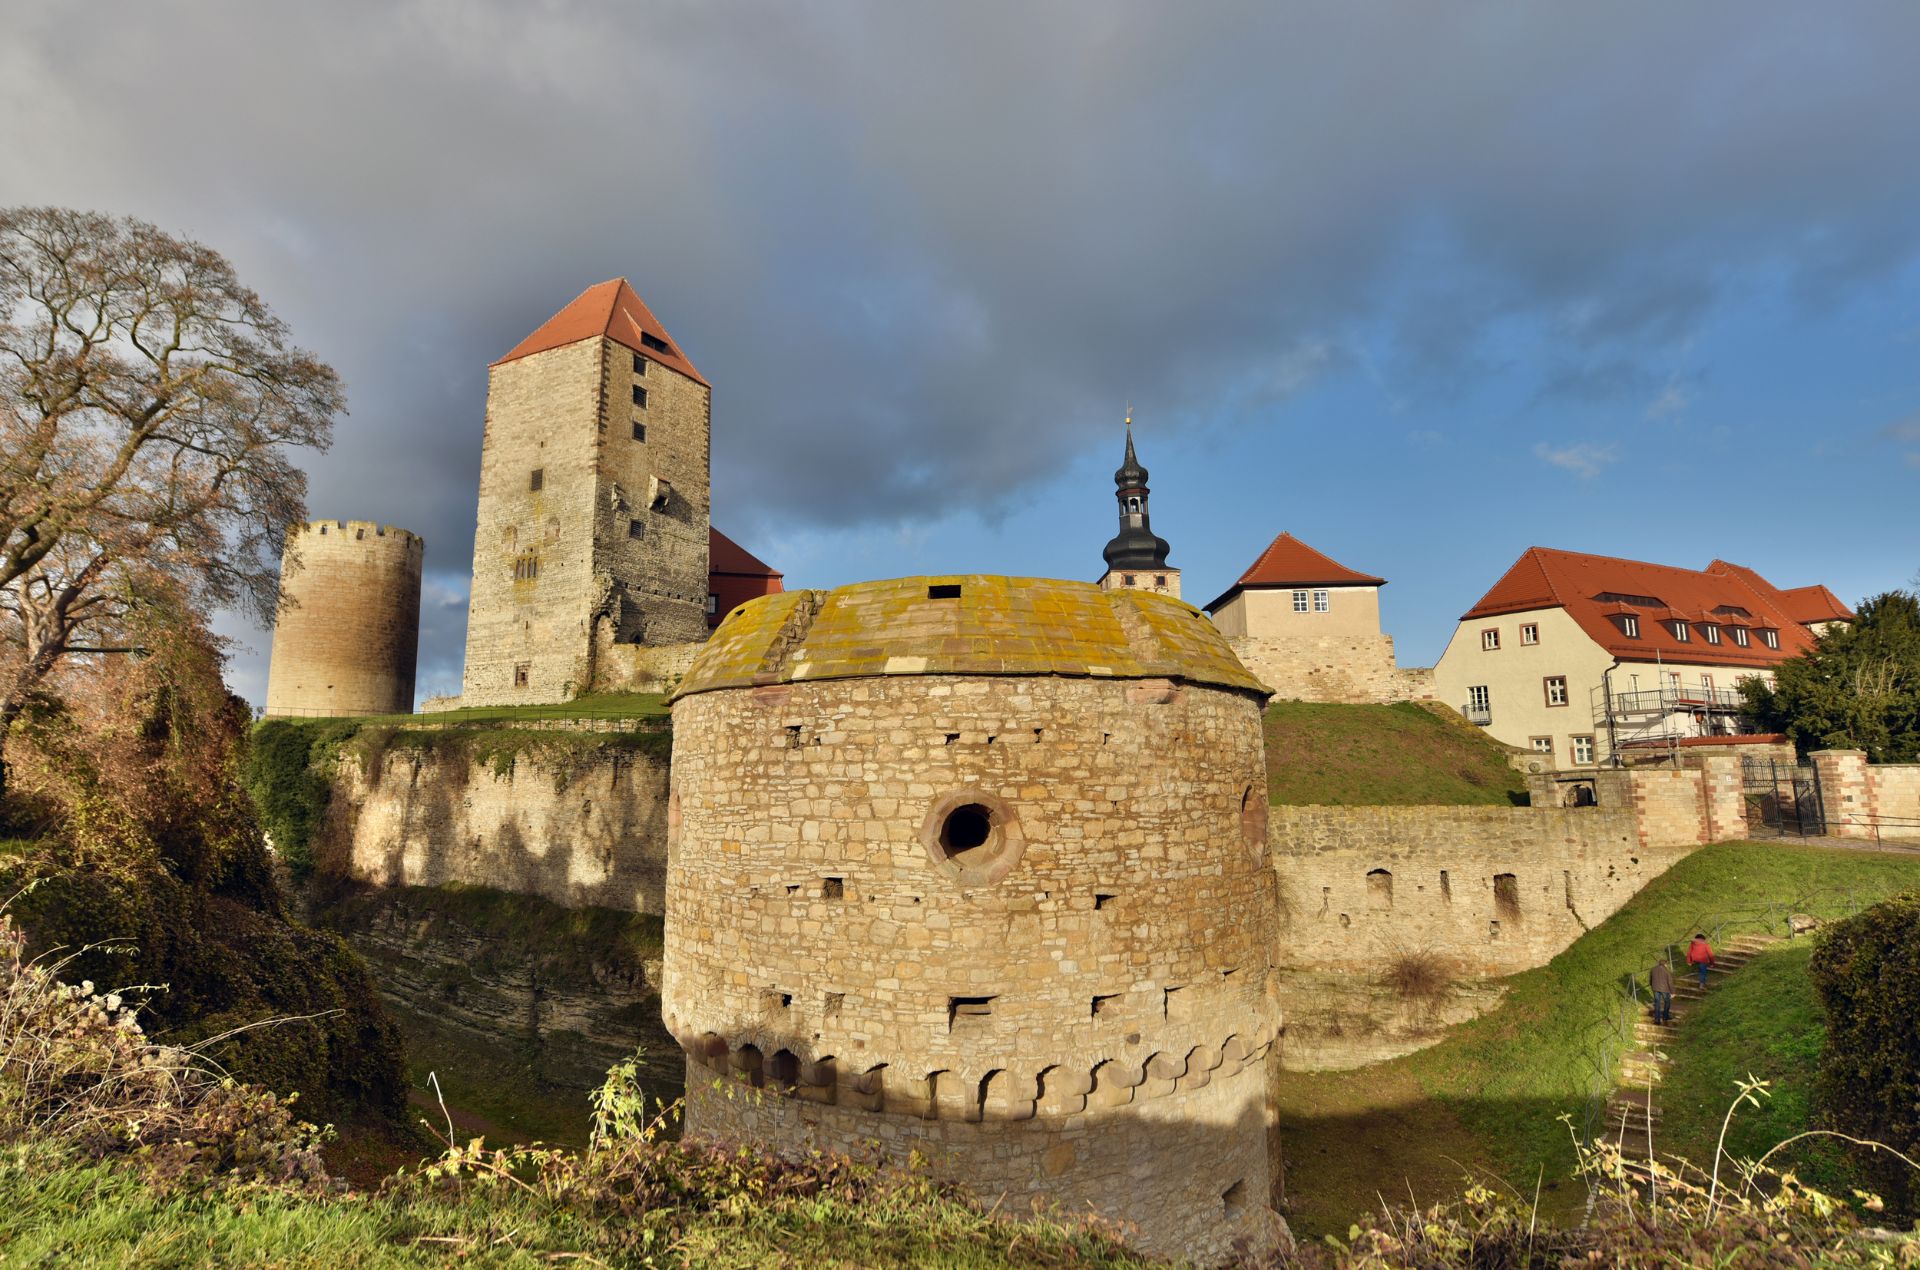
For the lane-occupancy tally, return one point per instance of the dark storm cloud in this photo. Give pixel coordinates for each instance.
(926, 253)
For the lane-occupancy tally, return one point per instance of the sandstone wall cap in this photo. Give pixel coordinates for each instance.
(965, 624)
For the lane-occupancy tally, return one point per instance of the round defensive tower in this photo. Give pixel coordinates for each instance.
(977, 867)
(348, 642)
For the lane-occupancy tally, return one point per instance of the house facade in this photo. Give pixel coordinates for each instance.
(1578, 657)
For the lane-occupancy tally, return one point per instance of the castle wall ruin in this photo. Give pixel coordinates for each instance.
(1348, 669)
(574, 828)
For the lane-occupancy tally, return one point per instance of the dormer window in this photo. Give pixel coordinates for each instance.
(1713, 634)
(655, 343)
(1680, 632)
(1740, 636)
(1630, 626)
(1770, 637)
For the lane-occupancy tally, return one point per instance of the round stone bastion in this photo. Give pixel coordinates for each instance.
(976, 867)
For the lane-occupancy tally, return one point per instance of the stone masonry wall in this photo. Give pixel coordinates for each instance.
(1347, 669)
(1877, 802)
(651, 502)
(1102, 1011)
(533, 582)
(641, 667)
(574, 831)
(347, 641)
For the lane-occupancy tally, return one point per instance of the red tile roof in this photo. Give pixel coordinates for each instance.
(1659, 595)
(724, 555)
(1815, 603)
(735, 576)
(1288, 562)
(611, 309)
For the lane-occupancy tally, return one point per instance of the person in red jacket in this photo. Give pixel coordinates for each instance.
(1700, 956)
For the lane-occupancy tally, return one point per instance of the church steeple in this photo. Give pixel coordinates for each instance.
(1136, 558)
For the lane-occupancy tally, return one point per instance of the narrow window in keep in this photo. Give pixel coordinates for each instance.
(636, 529)
(639, 430)
(639, 364)
(639, 396)
(538, 479)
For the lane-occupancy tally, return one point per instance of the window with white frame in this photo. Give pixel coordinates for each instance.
(1582, 749)
(1680, 632)
(1541, 744)
(1673, 682)
(1556, 686)
(1713, 634)
(1771, 638)
(1706, 686)
(1299, 601)
(1479, 699)
(1320, 601)
(1630, 626)
(1529, 633)
(1740, 636)
(1490, 639)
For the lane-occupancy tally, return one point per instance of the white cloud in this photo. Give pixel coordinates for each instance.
(1673, 400)
(1582, 458)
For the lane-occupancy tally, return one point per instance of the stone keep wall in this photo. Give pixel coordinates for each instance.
(575, 831)
(651, 506)
(346, 642)
(543, 413)
(1090, 1028)
(640, 667)
(1347, 669)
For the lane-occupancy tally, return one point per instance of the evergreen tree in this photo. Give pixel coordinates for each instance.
(1858, 689)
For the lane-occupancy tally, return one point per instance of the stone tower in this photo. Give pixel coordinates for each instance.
(1136, 559)
(977, 866)
(593, 517)
(347, 642)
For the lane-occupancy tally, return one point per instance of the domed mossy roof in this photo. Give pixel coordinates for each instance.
(969, 624)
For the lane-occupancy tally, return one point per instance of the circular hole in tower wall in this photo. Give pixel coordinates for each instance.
(972, 837)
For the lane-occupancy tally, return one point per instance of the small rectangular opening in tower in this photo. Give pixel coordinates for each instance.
(639, 430)
(636, 529)
(944, 591)
(1105, 1005)
(520, 674)
(655, 343)
(1101, 899)
(538, 479)
(639, 364)
(833, 889)
(965, 1011)
(639, 396)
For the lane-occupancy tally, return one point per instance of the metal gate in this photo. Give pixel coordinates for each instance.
(1783, 798)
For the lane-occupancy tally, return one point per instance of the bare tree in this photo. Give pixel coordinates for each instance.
(148, 402)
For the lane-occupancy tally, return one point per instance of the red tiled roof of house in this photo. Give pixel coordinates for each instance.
(614, 310)
(1289, 562)
(1815, 603)
(724, 555)
(1594, 590)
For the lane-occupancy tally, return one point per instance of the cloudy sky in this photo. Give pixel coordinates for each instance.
(1424, 284)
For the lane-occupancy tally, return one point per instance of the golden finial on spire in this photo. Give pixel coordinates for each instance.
(1129, 414)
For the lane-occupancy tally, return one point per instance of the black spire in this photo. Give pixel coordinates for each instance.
(1135, 546)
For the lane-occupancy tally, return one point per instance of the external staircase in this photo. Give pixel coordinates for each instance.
(1633, 1108)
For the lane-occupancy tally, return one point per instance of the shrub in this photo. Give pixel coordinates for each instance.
(76, 1068)
(1867, 972)
(1422, 977)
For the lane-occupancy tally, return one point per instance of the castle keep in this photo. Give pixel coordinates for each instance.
(593, 518)
(346, 641)
(977, 867)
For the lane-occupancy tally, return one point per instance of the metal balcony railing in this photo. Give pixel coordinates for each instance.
(1482, 715)
(1674, 701)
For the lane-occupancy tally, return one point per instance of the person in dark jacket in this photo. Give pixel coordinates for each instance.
(1661, 980)
(1700, 957)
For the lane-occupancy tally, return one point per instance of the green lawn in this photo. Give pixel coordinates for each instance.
(56, 1213)
(1764, 1022)
(1487, 1096)
(1401, 753)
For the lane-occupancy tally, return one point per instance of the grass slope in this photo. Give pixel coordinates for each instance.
(1764, 1022)
(1402, 753)
(53, 1213)
(1487, 1096)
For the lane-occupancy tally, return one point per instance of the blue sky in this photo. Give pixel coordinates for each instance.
(1423, 284)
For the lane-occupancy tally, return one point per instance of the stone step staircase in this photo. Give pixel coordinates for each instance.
(1633, 1108)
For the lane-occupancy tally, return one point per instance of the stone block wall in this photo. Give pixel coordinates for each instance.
(345, 642)
(641, 667)
(575, 830)
(1081, 1012)
(1868, 801)
(1346, 669)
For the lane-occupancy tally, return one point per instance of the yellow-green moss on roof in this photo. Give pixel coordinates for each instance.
(992, 626)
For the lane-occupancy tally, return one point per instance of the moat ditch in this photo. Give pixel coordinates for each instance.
(516, 1005)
